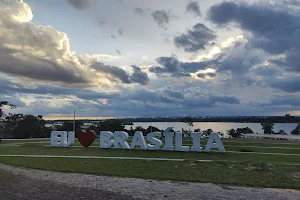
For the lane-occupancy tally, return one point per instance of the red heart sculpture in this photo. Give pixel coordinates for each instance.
(86, 138)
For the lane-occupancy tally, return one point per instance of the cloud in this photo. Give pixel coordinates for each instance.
(117, 74)
(265, 71)
(279, 100)
(121, 2)
(121, 31)
(161, 17)
(195, 39)
(101, 21)
(118, 52)
(171, 65)
(10, 88)
(292, 100)
(174, 94)
(273, 28)
(138, 76)
(113, 37)
(289, 84)
(205, 75)
(34, 51)
(42, 53)
(81, 4)
(139, 11)
(114, 73)
(194, 8)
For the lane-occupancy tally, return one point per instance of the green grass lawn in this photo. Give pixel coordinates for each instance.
(234, 168)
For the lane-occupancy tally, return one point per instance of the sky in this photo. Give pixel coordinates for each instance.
(136, 58)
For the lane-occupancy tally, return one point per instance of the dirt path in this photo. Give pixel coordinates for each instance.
(21, 183)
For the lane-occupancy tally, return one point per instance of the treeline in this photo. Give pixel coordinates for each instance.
(23, 126)
(241, 119)
(30, 126)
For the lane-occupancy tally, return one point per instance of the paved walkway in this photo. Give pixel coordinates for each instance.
(21, 183)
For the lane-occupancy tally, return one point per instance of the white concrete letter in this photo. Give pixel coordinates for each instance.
(120, 138)
(214, 137)
(178, 143)
(71, 138)
(138, 140)
(168, 141)
(105, 139)
(152, 137)
(196, 141)
(59, 138)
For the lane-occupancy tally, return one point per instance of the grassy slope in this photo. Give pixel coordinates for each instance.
(248, 169)
(240, 173)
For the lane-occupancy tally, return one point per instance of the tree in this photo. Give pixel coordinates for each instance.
(69, 126)
(296, 131)
(188, 120)
(244, 130)
(24, 126)
(207, 132)
(153, 129)
(281, 132)
(5, 103)
(267, 126)
(109, 125)
(234, 134)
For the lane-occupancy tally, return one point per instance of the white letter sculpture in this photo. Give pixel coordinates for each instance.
(62, 138)
(178, 143)
(105, 139)
(152, 137)
(120, 138)
(214, 137)
(138, 140)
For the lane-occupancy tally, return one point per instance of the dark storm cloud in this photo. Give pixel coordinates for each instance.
(265, 71)
(283, 100)
(274, 28)
(211, 101)
(138, 76)
(174, 94)
(290, 84)
(224, 99)
(161, 17)
(81, 4)
(210, 74)
(8, 87)
(40, 68)
(195, 39)
(171, 65)
(181, 99)
(180, 74)
(201, 75)
(292, 100)
(204, 75)
(117, 74)
(194, 8)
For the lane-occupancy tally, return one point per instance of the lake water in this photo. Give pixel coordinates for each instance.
(215, 126)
